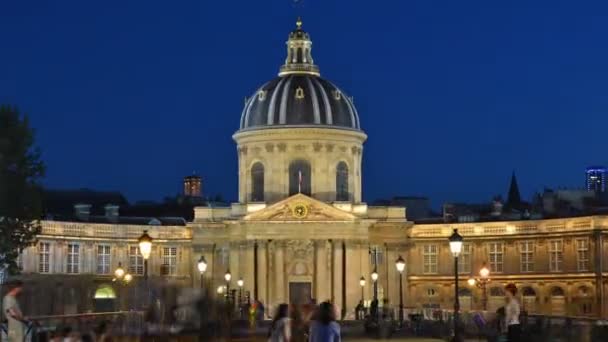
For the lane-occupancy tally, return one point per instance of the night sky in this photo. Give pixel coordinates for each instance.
(454, 95)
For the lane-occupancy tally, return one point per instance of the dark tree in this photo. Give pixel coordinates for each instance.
(20, 191)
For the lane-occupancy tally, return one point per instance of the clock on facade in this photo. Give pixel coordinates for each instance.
(300, 210)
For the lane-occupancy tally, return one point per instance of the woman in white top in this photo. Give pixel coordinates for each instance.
(280, 330)
(512, 311)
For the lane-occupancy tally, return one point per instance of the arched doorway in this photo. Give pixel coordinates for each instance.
(496, 299)
(105, 298)
(465, 297)
(558, 301)
(528, 299)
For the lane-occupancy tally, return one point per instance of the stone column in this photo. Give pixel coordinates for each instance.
(271, 282)
(262, 272)
(247, 267)
(338, 289)
(234, 264)
(322, 292)
(353, 273)
(279, 274)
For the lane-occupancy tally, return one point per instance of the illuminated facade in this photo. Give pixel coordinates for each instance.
(300, 229)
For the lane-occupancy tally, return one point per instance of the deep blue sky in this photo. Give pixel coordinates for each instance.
(454, 95)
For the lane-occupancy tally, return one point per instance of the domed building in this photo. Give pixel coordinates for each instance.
(299, 133)
(300, 230)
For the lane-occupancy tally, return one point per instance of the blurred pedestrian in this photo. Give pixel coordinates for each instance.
(10, 305)
(325, 328)
(512, 310)
(280, 329)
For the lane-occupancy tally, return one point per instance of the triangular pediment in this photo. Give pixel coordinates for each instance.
(300, 207)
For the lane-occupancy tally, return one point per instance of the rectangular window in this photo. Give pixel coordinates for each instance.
(556, 255)
(429, 257)
(103, 259)
(136, 261)
(44, 257)
(464, 259)
(496, 251)
(582, 254)
(526, 256)
(169, 260)
(73, 262)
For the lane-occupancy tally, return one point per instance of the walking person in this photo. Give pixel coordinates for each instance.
(280, 329)
(16, 321)
(325, 328)
(512, 310)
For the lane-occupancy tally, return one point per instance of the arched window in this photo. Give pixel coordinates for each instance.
(342, 182)
(257, 182)
(299, 177)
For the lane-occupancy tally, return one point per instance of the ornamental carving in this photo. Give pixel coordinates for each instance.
(300, 256)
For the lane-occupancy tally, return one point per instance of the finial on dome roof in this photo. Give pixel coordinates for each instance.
(299, 57)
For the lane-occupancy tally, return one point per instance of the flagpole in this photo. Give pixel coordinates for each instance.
(300, 181)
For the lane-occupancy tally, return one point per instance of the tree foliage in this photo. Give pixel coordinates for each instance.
(20, 191)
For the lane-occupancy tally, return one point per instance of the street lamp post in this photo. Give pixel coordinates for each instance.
(362, 283)
(121, 278)
(481, 283)
(456, 248)
(202, 267)
(227, 277)
(400, 264)
(240, 283)
(374, 306)
(145, 248)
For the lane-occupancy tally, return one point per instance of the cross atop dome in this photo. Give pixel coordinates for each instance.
(299, 57)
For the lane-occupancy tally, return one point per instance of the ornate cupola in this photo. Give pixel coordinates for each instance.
(299, 57)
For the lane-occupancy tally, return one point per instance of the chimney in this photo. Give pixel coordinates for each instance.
(112, 211)
(82, 211)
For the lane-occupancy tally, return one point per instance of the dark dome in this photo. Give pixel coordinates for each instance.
(299, 99)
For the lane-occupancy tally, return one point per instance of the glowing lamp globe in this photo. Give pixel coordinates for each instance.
(119, 272)
(484, 272)
(471, 282)
(400, 264)
(128, 278)
(362, 281)
(455, 243)
(374, 275)
(145, 245)
(202, 265)
(227, 276)
(240, 282)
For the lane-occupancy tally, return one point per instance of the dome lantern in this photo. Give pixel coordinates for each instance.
(299, 57)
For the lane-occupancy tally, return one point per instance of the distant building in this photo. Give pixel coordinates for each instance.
(192, 186)
(418, 208)
(595, 178)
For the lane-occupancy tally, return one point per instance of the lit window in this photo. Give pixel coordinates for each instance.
(556, 256)
(526, 254)
(136, 261)
(496, 251)
(103, 259)
(44, 257)
(170, 260)
(464, 259)
(73, 262)
(429, 256)
(582, 254)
